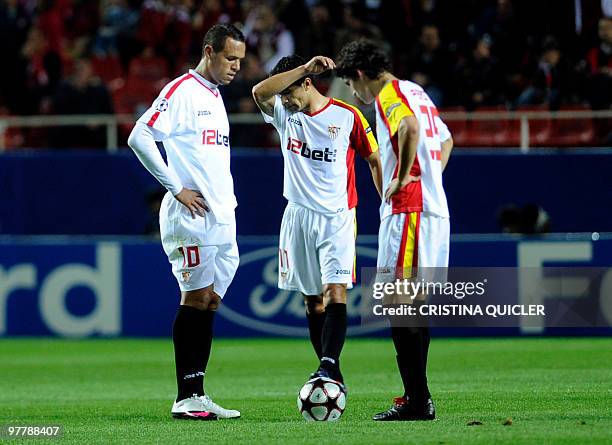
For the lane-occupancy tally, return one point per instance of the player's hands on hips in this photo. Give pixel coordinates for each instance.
(319, 64)
(395, 186)
(194, 201)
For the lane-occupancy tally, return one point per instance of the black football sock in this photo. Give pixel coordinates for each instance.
(207, 337)
(334, 334)
(426, 340)
(410, 360)
(315, 328)
(188, 334)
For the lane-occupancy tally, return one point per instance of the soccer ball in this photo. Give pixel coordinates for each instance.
(321, 399)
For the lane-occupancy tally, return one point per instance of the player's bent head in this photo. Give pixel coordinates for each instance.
(295, 96)
(223, 49)
(362, 58)
(289, 63)
(217, 34)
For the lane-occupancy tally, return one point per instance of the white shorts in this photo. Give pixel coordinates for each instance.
(316, 249)
(200, 251)
(412, 240)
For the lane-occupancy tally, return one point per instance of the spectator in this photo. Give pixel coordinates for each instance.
(317, 38)
(43, 67)
(546, 84)
(116, 18)
(429, 64)
(356, 26)
(82, 93)
(479, 79)
(266, 37)
(599, 61)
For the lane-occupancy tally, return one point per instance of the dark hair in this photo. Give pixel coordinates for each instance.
(289, 63)
(217, 34)
(363, 55)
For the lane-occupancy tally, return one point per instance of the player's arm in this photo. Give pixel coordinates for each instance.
(447, 147)
(142, 141)
(265, 91)
(407, 141)
(376, 170)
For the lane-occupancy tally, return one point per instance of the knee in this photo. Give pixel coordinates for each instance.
(314, 305)
(334, 293)
(202, 299)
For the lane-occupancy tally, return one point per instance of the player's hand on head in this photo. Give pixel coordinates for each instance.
(319, 64)
(395, 186)
(194, 201)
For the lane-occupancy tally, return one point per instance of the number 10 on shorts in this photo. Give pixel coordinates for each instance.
(283, 262)
(191, 256)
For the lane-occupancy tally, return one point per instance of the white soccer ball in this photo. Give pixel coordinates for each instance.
(321, 399)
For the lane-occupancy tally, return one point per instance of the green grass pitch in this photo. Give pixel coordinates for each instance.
(120, 391)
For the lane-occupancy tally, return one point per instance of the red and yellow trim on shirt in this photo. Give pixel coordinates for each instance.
(392, 106)
(362, 141)
(408, 255)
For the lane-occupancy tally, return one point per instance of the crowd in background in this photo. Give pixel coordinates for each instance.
(104, 56)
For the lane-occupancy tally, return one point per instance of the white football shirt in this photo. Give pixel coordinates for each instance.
(319, 154)
(189, 118)
(396, 100)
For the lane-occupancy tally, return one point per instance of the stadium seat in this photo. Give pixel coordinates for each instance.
(133, 97)
(492, 133)
(540, 130)
(572, 132)
(457, 127)
(107, 68)
(148, 69)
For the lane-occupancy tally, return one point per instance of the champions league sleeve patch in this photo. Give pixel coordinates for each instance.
(161, 105)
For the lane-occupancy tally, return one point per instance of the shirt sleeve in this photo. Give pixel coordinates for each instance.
(164, 115)
(142, 141)
(280, 115)
(362, 137)
(442, 129)
(393, 106)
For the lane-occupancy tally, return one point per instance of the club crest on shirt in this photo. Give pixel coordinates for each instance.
(333, 132)
(162, 105)
(185, 276)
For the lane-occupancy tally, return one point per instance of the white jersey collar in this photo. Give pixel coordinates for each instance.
(214, 88)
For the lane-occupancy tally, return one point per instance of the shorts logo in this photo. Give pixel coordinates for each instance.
(333, 132)
(343, 272)
(162, 105)
(185, 276)
(204, 113)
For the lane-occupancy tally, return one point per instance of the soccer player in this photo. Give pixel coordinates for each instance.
(414, 232)
(197, 221)
(319, 139)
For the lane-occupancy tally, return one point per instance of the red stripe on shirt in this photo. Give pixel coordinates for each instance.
(167, 96)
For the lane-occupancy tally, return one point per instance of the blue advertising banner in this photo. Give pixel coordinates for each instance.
(71, 287)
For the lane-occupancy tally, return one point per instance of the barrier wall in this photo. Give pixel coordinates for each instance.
(75, 287)
(97, 193)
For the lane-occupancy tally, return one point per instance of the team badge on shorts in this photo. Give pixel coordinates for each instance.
(185, 276)
(162, 105)
(333, 132)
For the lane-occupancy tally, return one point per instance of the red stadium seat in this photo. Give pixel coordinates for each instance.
(458, 128)
(492, 133)
(540, 130)
(573, 132)
(107, 68)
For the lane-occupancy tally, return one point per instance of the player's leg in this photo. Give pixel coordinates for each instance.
(192, 336)
(225, 265)
(336, 254)
(334, 329)
(399, 239)
(315, 314)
